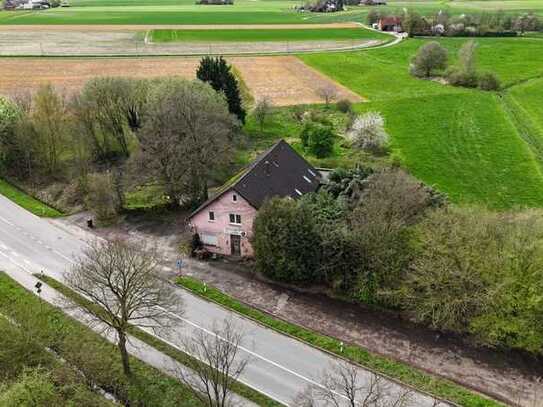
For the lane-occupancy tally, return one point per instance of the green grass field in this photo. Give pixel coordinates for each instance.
(462, 141)
(242, 12)
(320, 34)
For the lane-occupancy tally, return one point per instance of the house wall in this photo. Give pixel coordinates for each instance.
(221, 226)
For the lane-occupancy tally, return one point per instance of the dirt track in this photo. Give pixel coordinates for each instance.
(284, 79)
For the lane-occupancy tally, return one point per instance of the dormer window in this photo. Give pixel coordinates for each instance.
(234, 198)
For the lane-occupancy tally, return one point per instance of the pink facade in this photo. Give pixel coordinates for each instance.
(226, 225)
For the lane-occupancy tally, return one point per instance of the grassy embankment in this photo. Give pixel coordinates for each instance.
(87, 351)
(27, 202)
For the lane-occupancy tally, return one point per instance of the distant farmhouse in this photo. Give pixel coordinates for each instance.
(34, 4)
(224, 223)
(373, 3)
(392, 24)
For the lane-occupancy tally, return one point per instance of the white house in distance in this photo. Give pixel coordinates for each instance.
(225, 221)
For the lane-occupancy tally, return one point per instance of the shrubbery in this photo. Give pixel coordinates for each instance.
(286, 242)
(318, 138)
(387, 239)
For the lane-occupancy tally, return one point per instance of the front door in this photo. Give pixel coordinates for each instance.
(235, 245)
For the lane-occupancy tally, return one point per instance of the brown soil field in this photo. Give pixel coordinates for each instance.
(109, 28)
(285, 80)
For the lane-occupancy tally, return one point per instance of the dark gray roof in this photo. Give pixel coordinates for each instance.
(279, 171)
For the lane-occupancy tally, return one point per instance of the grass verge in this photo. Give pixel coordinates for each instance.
(95, 357)
(438, 387)
(176, 354)
(26, 201)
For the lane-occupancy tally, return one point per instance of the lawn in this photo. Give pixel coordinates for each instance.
(462, 141)
(27, 202)
(319, 34)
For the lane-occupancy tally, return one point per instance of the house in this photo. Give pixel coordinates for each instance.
(393, 24)
(373, 3)
(225, 221)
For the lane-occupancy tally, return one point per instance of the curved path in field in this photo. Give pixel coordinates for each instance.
(110, 40)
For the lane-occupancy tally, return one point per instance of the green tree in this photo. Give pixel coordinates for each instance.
(10, 150)
(286, 242)
(218, 74)
(318, 138)
(429, 58)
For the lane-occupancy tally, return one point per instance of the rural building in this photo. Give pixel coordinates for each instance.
(373, 3)
(225, 221)
(393, 24)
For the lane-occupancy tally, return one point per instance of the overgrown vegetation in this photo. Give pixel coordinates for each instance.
(389, 240)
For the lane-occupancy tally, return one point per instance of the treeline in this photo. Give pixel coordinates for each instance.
(118, 132)
(498, 24)
(387, 240)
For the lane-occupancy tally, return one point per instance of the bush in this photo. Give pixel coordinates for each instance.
(318, 139)
(102, 197)
(368, 133)
(429, 58)
(344, 106)
(489, 81)
(286, 243)
(459, 77)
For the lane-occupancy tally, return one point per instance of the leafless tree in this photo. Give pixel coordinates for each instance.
(120, 278)
(342, 385)
(221, 365)
(262, 110)
(187, 134)
(327, 93)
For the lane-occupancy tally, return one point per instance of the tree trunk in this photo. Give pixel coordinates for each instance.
(124, 354)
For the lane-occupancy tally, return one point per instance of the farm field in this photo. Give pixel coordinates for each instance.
(463, 141)
(284, 80)
(259, 35)
(177, 12)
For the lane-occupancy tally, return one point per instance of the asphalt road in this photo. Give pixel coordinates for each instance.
(280, 366)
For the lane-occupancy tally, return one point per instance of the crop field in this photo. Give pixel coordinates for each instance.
(463, 141)
(242, 12)
(284, 80)
(259, 35)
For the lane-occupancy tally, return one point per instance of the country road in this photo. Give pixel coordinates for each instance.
(280, 366)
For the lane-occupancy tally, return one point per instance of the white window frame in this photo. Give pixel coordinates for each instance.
(209, 239)
(209, 216)
(236, 217)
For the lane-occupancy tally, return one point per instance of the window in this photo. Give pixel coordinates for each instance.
(211, 216)
(209, 240)
(235, 219)
(234, 198)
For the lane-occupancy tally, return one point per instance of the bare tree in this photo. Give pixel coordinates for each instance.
(187, 134)
(120, 278)
(221, 364)
(327, 93)
(343, 385)
(262, 110)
